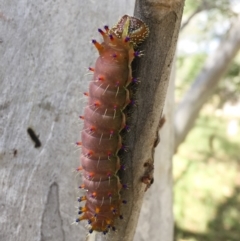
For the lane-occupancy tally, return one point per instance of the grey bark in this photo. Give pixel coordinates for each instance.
(205, 83)
(44, 48)
(44, 51)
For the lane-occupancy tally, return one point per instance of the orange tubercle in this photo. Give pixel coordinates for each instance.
(80, 168)
(98, 46)
(97, 104)
(82, 198)
(97, 210)
(91, 175)
(111, 37)
(91, 69)
(90, 153)
(101, 32)
(94, 194)
(106, 28)
(92, 129)
(101, 78)
(82, 186)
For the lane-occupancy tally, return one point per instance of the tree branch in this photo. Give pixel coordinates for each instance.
(157, 206)
(163, 19)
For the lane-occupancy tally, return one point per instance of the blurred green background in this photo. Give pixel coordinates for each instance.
(207, 164)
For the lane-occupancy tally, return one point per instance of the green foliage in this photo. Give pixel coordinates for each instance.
(188, 68)
(206, 172)
(200, 38)
(205, 5)
(234, 70)
(229, 88)
(207, 165)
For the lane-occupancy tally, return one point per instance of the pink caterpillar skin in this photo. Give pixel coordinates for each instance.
(103, 121)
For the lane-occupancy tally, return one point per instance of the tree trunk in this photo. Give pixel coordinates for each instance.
(44, 51)
(205, 83)
(43, 55)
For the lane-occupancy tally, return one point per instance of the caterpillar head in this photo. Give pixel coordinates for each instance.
(131, 27)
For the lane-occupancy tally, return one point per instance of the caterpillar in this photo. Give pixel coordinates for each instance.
(104, 119)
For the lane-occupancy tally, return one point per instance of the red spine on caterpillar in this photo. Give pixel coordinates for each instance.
(104, 118)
